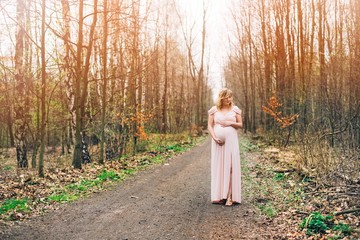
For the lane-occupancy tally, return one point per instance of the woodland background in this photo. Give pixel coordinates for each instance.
(111, 74)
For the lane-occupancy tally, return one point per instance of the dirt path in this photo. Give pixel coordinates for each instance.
(170, 201)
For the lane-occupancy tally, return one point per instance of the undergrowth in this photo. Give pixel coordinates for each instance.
(20, 205)
(317, 223)
(281, 195)
(258, 190)
(74, 191)
(72, 184)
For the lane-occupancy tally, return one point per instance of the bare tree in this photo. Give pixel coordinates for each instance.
(43, 91)
(21, 107)
(81, 83)
(104, 76)
(307, 57)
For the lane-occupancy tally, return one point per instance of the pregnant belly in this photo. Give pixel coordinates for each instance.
(223, 132)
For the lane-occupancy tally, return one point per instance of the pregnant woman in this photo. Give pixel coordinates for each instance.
(224, 120)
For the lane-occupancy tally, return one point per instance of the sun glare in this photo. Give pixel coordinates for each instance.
(216, 34)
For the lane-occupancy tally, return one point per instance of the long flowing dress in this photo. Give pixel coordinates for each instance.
(225, 159)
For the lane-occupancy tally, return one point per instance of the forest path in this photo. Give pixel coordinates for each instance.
(168, 201)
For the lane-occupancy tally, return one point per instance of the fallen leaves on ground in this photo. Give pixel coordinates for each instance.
(68, 183)
(285, 196)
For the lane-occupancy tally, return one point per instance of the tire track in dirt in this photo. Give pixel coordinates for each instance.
(168, 201)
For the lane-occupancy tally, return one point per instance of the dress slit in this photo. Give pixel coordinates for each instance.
(230, 179)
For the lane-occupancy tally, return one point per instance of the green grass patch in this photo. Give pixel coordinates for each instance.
(105, 175)
(8, 168)
(247, 146)
(268, 210)
(19, 205)
(342, 228)
(62, 197)
(295, 197)
(129, 171)
(317, 223)
(176, 148)
(279, 176)
(157, 159)
(73, 191)
(108, 175)
(83, 185)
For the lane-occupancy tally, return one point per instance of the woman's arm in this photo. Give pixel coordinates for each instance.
(238, 124)
(211, 130)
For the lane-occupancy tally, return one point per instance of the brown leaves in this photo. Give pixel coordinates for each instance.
(57, 181)
(139, 118)
(36, 189)
(273, 110)
(295, 196)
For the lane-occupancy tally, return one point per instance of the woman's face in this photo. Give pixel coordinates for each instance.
(227, 101)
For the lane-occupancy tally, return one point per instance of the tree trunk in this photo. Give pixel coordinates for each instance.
(201, 70)
(20, 108)
(252, 113)
(104, 77)
(43, 91)
(77, 93)
(69, 82)
(164, 98)
(301, 64)
(81, 153)
(267, 60)
(321, 41)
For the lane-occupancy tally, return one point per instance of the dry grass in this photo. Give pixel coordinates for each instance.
(318, 159)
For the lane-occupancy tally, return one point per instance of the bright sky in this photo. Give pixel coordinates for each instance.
(216, 34)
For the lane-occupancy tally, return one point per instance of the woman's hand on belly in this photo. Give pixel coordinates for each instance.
(226, 123)
(219, 141)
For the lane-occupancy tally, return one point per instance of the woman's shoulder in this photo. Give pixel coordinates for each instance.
(212, 110)
(237, 110)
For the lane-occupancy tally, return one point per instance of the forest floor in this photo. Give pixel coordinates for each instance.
(172, 201)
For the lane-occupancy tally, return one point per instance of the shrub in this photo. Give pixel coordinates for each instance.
(343, 228)
(317, 223)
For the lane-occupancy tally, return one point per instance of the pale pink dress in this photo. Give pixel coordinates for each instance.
(225, 157)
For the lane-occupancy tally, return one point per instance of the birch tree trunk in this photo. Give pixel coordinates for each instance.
(20, 108)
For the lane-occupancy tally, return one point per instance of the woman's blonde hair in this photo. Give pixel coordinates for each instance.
(224, 93)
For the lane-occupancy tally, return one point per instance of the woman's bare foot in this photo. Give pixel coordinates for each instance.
(229, 202)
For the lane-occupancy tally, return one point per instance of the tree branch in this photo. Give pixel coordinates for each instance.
(347, 211)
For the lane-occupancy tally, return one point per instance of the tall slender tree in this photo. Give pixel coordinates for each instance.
(21, 108)
(43, 91)
(105, 81)
(81, 83)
